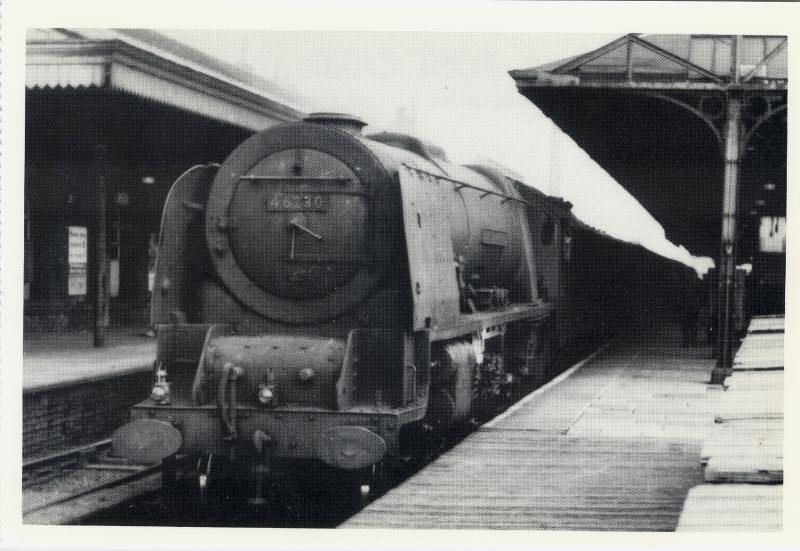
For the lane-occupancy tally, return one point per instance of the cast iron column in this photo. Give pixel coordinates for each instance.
(727, 259)
(101, 255)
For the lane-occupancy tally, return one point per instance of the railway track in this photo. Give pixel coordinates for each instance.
(65, 487)
(86, 485)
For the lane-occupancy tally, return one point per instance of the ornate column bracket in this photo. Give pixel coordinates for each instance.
(709, 108)
(759, 108)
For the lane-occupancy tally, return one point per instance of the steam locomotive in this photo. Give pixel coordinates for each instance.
(325, 295)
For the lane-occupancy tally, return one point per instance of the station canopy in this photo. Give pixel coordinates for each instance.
(155, 67)
(651, 110)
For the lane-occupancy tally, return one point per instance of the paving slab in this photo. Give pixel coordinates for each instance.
(733, 508)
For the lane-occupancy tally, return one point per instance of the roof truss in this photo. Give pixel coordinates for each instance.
(628, 40)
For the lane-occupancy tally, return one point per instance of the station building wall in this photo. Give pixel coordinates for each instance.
(148, 145)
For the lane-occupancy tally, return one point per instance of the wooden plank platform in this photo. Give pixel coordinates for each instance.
(523, 480)
(745, 436)
(733, 508)
(745, 466)
(753, 455)
(765, 324)
(745, 448)
(760, 403)
(760, 351)
(753, 380)
(615, 446)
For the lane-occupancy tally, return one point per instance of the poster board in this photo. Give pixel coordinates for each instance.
(77, 260)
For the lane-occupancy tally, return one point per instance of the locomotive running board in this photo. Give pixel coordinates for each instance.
(468, 324)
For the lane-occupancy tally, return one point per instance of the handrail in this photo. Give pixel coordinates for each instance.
(460, 185)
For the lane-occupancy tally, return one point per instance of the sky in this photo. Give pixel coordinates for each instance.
(452, 89)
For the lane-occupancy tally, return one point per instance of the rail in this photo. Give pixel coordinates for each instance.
(40, 469)
(53, 485)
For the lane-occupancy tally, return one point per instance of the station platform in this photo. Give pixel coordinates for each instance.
(51, 360)
(612, 444)
(74, 394)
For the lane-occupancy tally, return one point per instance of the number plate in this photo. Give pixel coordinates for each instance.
(302, 202)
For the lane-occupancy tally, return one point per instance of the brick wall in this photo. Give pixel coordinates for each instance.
(60, 418)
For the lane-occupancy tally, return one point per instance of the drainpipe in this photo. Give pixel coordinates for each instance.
(101, 256)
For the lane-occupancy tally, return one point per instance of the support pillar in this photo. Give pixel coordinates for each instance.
(101, 254)
(727, 258)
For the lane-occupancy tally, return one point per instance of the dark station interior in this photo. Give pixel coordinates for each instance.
(63, 130)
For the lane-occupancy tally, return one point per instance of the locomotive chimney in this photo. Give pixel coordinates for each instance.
(344, 122)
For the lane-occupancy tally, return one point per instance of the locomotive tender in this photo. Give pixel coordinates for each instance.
(322, 292)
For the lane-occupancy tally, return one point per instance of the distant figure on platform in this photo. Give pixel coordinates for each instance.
(689, 309)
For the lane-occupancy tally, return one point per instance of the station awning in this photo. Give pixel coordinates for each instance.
(651, 110)
(150, 65)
